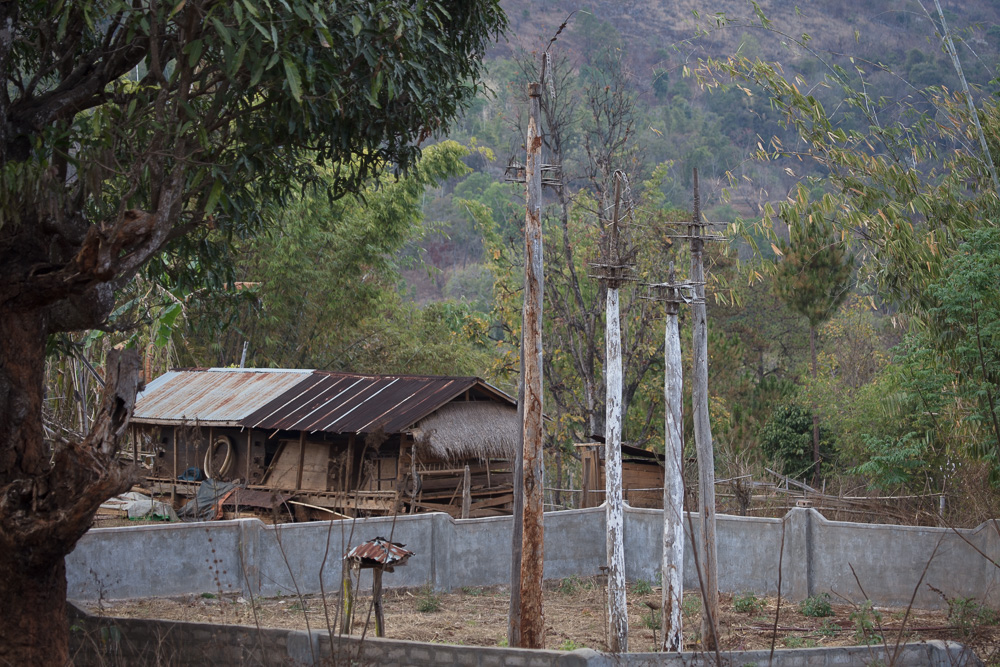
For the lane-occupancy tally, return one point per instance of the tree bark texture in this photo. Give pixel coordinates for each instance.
(517, 532)
(614, 506)
(532, 543)
(672, 568)
(49, 492)
(707, 555)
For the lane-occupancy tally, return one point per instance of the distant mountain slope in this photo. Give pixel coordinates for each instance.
(650, 30)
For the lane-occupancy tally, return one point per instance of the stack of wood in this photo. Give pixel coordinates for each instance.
(477, 490)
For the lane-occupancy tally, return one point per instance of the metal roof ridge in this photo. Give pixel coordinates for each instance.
(402, 376)
(226, 369)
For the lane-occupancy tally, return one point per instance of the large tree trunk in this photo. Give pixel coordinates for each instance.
(33, 628)
(49, 491)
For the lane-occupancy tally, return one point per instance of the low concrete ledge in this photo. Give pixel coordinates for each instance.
(106, 640)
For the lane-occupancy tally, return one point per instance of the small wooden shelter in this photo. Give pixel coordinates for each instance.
(642, 475)
(378, 555)
(333, 443)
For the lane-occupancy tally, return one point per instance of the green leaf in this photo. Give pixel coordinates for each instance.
(213, 196)
(294, 80)
(224, 32)
(178, 7)
(194, 52)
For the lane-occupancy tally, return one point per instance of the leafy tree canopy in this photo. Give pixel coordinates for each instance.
(130, 129)
(125, 128)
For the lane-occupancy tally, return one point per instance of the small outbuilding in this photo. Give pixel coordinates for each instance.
(642, 475)
(330, 443)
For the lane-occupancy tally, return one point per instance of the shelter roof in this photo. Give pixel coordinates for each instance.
(304, 400)
(379, 552)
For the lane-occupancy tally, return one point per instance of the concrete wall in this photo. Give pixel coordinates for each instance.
(102, 641)
(816, 555)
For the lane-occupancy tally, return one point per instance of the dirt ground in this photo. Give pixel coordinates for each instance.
(575, 617)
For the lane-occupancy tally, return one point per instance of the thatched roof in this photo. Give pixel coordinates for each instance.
(473, 429)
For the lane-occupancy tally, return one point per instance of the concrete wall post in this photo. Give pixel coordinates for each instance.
(797, 557)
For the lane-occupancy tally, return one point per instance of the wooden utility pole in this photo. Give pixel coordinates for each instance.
(614, 505)
(703, 434)
(672, 566)
(614, 269)
(532, 546)
(517, 533)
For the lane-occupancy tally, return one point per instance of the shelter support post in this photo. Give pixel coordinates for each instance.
(377, 602)
(346, 602)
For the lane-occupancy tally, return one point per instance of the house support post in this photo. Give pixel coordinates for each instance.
(302, 460)
(466, 493)
(173, 481)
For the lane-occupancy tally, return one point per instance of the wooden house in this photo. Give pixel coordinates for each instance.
(642, 475)
(332, 443)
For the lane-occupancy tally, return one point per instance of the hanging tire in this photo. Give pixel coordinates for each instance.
(227, 462)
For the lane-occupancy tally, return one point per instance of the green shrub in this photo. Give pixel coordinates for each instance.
(690, 605)
(798, 642)
(569, 645)
(748, 603)
(428, 601)
(816, 606)
(641, 587)
(828, 629)
(966, 614)
(866, 621)
(569, 585)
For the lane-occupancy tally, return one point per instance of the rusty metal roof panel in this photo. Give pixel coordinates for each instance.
(379, 551)
(220, 396)
(351, 403)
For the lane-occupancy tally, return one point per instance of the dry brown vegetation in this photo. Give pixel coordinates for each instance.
(575, 618)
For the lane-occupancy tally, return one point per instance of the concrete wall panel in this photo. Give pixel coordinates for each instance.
(250, 558)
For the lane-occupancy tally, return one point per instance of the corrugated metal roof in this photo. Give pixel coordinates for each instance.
(351, 403)
(212, 396)
(301, 400)
(379, 551)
